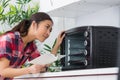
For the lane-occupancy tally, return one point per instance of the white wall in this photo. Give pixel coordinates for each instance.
(110, 16)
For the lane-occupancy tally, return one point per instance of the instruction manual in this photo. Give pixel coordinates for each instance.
(46, 58)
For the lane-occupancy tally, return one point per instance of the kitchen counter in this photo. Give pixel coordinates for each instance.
(86, 74)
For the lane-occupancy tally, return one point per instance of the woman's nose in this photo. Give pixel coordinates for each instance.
(48, 32)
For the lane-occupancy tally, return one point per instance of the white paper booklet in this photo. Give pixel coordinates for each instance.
(45, 59)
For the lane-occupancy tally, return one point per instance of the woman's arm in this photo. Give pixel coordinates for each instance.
(58, 42)
(7, 71)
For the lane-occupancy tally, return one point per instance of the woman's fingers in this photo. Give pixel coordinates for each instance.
(37, 68)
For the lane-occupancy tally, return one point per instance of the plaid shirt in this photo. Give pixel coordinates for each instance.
(12, 48)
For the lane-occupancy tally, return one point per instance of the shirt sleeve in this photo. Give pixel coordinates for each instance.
(5, 47)
(35, 53)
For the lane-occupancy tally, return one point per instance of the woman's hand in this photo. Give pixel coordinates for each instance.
(37, 69)
(58, 42)
(60, 38)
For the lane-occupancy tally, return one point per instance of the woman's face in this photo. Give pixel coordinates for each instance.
(43, 29)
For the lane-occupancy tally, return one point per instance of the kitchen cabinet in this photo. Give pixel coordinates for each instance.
(50, 5)
(76, 8)
(85, 12)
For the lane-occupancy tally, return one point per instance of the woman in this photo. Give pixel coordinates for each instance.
(17, 46)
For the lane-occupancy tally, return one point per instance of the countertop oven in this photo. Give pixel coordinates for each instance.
(90, 47)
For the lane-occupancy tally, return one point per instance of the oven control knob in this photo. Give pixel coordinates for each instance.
(86, 33)
(85, 52)
(86, 43)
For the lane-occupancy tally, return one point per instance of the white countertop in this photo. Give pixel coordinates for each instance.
(73, 73)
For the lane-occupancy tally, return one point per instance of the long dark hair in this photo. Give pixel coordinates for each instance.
(24, 25)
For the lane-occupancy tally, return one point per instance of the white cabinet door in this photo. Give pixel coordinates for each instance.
(49, 5)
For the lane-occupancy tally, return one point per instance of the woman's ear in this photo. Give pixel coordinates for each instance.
(34, 25)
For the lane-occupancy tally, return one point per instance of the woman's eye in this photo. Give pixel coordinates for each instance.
(47, 27)
(50, 30)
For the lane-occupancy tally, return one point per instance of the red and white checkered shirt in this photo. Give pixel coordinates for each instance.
(12, 48)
